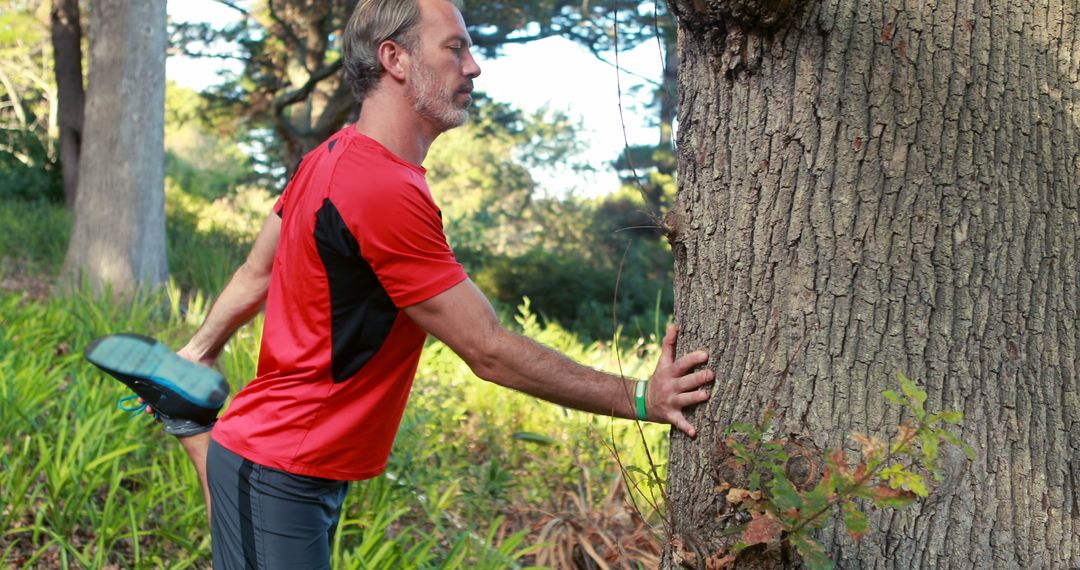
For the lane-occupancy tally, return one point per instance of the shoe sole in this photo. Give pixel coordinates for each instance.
(173, 386)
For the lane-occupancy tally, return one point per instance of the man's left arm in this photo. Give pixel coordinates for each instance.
(240, 300)
(464, 320)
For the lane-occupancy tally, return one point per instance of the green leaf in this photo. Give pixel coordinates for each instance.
(855, 521)
(900, 478)
(891, 472)
(740, 452)
(784, 495)
(739, 427)
(952, 416)
(775, 452)
(114, 454)
(893, 397)
(911, 389)
(813, 556)
(818, 497)
(754, 482)
(953, 439)
(929, 448)
(886, 497)
(533, 437)
(915, 395)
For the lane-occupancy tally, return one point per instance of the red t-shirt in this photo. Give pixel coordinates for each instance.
(361, 237)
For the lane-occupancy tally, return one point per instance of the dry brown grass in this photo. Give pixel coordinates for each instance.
(581, 534)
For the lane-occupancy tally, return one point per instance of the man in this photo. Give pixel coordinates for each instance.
(355, 271)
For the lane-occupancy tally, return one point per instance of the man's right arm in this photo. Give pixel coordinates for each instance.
(464, 320)
(240, 300)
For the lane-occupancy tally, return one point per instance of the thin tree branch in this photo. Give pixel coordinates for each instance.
(304, 91)
(491, 42)
(653, 215)
(648, 80)
(204, 55)
(234, 6)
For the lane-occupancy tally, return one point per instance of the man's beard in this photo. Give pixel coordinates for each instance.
(435, 101)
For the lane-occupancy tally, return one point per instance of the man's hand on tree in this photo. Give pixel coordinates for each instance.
(673, 387)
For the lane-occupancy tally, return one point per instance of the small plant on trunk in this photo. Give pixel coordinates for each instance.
(777, 513)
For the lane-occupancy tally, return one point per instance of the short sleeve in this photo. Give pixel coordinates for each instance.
(401, 236)
(279, 205)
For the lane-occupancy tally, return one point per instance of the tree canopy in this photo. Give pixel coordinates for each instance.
(290, 85)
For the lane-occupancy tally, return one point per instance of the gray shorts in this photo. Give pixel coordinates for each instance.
(264, 518)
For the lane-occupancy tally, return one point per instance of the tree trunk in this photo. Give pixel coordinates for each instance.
(67, 56)
(119, 232)
(880, 187)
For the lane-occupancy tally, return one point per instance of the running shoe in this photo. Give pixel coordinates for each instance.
(176, 388)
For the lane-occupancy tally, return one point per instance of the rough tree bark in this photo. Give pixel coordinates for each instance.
(119, 232)
(67, 55)
(892, 186)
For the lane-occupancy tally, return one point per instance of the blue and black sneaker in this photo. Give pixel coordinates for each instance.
(186, 396)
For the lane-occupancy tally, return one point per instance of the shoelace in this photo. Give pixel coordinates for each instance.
(133, 410)
(171, 425)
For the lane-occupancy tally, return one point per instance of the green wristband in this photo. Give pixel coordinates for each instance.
(639, 395)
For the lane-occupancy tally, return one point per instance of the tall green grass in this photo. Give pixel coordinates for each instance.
(33, 236)
(476, 469)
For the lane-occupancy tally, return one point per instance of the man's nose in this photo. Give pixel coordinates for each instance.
(470, 68)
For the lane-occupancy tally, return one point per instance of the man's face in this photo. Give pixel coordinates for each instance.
(443, 68)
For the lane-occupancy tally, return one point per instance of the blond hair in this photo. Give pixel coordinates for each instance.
(372, 23)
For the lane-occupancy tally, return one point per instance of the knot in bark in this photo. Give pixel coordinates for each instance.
(805, 462)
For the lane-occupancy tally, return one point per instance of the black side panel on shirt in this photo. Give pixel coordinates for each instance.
(361, 313)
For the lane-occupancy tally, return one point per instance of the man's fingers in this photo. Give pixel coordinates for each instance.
(695, 380)
(679, 421)
(682, 389)
(684, 364)
(667, 348)
(690, 398)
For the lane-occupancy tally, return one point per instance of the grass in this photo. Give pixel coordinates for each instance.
(480, 477)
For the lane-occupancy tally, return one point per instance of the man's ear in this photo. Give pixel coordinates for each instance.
(394, 59)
